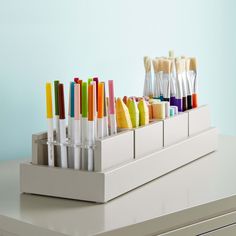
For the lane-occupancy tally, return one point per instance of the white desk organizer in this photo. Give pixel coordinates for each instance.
(124, 161)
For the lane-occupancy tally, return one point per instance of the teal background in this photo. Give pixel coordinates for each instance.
(51, 39)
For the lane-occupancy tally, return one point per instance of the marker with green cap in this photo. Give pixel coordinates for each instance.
(56, 83)
(90, 80)
(84, 123)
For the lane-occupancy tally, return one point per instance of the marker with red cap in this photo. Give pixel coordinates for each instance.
(62, 123)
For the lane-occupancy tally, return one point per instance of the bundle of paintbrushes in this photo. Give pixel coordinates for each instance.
(175, 80)
(91, 116)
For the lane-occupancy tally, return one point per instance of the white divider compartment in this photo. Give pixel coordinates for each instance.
(175, 129)
(199, 119)
(148, 139)
(114, 150)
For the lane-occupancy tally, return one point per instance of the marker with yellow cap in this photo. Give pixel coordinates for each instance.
(50, 124)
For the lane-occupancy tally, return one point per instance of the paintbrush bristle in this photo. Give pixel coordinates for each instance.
(187, 64)
(147, 63)
(178, 65)
(166, 66)
(193, 64)
(156, 65)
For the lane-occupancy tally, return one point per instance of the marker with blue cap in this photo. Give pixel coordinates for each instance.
(71, 116)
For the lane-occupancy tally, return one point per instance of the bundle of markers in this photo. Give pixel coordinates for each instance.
(175, 80)
(91, 116)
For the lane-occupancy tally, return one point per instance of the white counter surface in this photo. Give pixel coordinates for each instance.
(198, 191)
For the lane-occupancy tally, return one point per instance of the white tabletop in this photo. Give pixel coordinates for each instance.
(206, 180)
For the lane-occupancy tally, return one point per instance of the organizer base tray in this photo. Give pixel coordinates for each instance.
(103, 186)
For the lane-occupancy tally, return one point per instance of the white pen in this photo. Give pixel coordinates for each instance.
(62, 122)
(50, 124)
(77, 127)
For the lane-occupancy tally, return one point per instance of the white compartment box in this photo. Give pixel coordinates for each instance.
(148, 139)
(175, 129)
(114, 150)
(106, 185)
(199, 119)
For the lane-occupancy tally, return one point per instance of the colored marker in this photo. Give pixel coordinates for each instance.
(100, 129)
(90, 80)
(91, 128)
(95, 108)
(112, 113)
(76, 80)
(71, 126)
(96, 80)
(62, 123)
(58, 160)
(105, 117)
(84, 123)
(50, 124)
(77, 127)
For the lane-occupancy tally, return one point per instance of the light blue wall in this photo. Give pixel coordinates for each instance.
(51, 39)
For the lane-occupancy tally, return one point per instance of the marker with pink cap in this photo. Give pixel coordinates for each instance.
(77, 127)
(112, 112)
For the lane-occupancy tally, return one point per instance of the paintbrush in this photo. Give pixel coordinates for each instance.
(147, 91)
(193, 68)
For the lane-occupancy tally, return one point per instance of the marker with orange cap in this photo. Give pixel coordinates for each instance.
(77, 127)
(50, 124)
(100, 129)
(91, 128)
(112, 113)
(62, 123)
